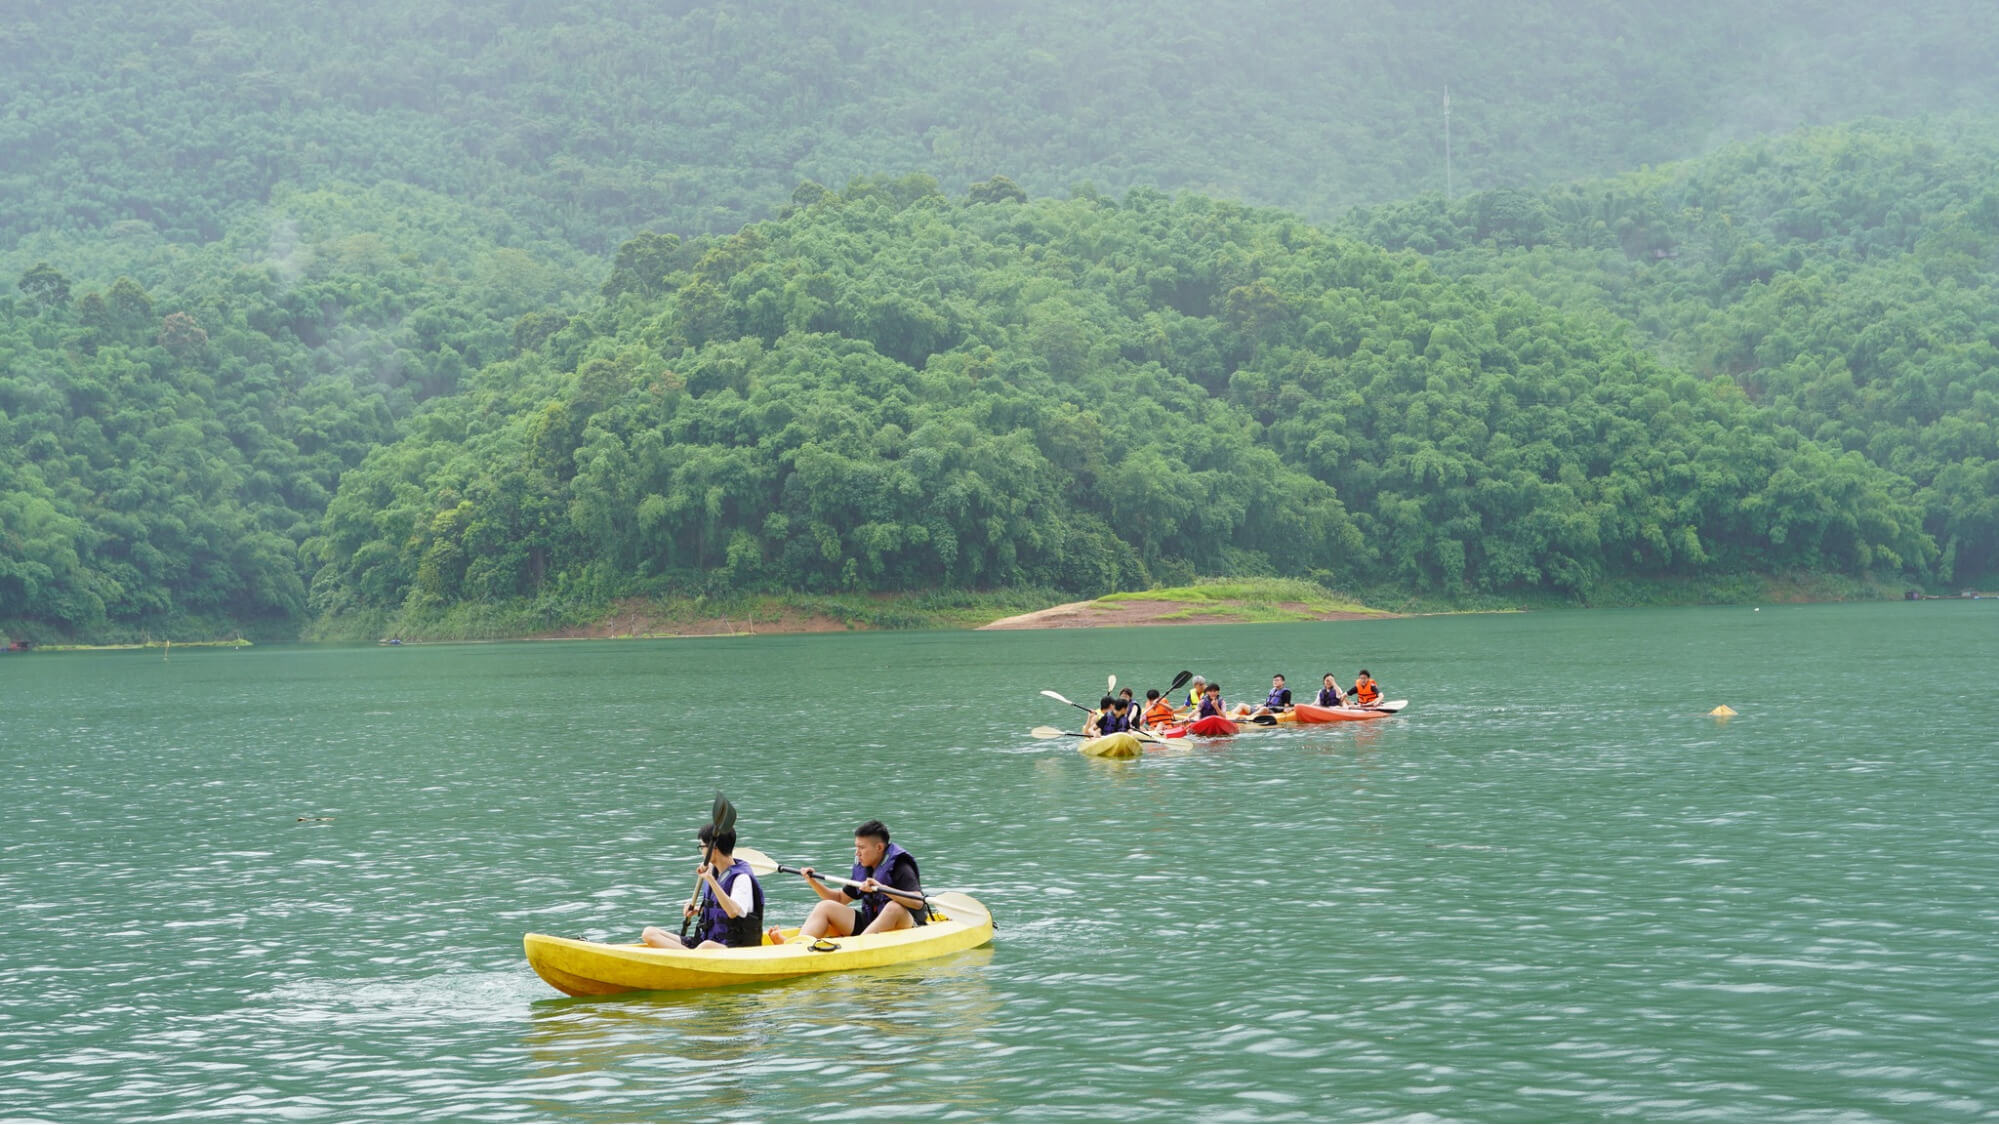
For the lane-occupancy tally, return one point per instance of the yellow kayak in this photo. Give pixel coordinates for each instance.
(1123, 744)
(591, 968)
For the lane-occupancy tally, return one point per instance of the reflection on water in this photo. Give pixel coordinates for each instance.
(847, 1034)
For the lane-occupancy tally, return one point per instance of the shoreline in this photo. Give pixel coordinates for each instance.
(1209, 602)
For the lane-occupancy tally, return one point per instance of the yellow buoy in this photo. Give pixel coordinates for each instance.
(1722, 712)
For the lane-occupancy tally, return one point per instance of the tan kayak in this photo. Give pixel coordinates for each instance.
(1122, 744)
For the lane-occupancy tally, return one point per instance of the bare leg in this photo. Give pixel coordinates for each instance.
(828, 919)
(660, 939)
(895, 917)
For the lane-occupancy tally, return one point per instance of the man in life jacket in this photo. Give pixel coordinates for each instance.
(1331, 695)
(1158, 710)
(1366, 693)
(730, 907)
(1194, 692)
(1275, 704)
(1094, 725)
(1116, 716)
(880, 869)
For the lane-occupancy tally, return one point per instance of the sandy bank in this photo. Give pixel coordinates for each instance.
(1100, 614)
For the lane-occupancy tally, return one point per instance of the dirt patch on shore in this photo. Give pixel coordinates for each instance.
(639, 618)
(1092, 615)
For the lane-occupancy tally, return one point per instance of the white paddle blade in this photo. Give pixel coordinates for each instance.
(1048, 732)
(1060, 698)
(760, 864)
(961, 907)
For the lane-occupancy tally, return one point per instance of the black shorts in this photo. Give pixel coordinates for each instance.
(863, 917)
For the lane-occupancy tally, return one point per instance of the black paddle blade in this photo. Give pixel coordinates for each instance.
(1264, 720)
(723, 814)
(1180, 680)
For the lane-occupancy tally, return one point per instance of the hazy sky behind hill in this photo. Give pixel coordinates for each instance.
(590, 120)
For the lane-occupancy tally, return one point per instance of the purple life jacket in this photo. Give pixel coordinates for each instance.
(894, 862)
(716, 925)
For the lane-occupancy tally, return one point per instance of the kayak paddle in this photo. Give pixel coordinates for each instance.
(1057, 732)
(1060, 698)
(955, 903)
(722, 818)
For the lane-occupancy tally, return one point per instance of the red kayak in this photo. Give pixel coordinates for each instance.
(1212, 726)
(1312, 713)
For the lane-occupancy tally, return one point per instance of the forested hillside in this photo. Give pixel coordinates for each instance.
(889, 388)
(165, 447)
(362, 312)
(1846, 280)
(590, 122)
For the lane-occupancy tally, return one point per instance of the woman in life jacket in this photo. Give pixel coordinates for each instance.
(730, 906)
(880, 868)
(1366, 692)
(1211, 703)
(1331, 695)
(1194, 692)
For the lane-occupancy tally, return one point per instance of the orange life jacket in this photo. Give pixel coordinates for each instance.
(1159, 714)
(1365, 692)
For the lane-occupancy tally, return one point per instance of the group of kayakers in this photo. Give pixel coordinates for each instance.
(1122, 712)
(883, 892)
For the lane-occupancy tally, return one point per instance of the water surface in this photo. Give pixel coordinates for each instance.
(1554, 888)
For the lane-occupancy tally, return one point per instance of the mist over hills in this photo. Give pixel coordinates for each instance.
(371, 311)
(589, 121)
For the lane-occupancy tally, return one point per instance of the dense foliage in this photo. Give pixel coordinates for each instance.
(164, 452)
(888, 388)
(588, 122)
(1847, 280)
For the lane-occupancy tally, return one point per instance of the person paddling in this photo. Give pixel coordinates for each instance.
(1366, 693)
(1094, 725)
(1331, 695)
(731, 903)
(1159, 711)
(1117, 718)
(879, 867)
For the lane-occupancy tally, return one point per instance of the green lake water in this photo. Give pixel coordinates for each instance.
(1553, 889)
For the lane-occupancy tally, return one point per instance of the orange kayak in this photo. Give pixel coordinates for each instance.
(1313, 713)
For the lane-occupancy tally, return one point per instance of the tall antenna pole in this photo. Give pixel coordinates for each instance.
(1447, 143)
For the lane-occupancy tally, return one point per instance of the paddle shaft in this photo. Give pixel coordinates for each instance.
(721, 818)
